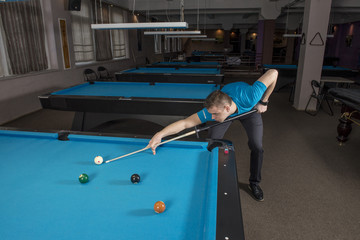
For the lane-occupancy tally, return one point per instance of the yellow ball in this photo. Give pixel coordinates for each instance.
(98, 160)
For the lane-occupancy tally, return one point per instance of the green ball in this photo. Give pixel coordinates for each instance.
(84, 178)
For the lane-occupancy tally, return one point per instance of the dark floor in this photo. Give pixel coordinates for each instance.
(311, 184)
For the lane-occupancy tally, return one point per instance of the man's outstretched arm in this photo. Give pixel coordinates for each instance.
(173, 128)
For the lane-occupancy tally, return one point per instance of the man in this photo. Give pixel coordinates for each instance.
(233, 99)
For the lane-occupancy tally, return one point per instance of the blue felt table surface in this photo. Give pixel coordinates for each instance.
(174, 70)
(188, 63)
(295, 67)
(141, 89)
(41, 197)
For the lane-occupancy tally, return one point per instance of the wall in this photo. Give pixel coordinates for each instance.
(259, 41)
(19, 94)
(337, 46)
(190, 46)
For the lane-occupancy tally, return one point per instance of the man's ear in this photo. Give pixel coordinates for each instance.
(227, 107)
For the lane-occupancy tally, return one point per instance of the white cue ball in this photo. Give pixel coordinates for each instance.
(98, 160)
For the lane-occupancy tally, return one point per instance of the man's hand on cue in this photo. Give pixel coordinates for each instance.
(261, 108)
(155, 140)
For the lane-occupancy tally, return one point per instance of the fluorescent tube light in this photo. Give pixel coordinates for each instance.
(204, 39)
(146, 25)
(291, 35)
(172, 32)
(299, 35)
(186, 36)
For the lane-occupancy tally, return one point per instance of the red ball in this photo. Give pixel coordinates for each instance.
(159, 207)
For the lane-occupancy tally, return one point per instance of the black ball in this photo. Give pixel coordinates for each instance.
(135, 178)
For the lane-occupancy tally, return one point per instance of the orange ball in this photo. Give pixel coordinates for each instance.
(159, 207)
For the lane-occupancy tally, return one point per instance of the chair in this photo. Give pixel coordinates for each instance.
(104, 74)
(90, 75)
(319, 94)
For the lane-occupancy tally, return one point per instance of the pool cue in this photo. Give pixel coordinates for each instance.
(143, 149)
(227, 120)
(185, 135)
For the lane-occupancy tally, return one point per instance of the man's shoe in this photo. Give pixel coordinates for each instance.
(256, 192)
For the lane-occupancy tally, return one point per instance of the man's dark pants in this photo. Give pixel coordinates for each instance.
(254, 128)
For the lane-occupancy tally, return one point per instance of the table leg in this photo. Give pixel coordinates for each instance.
(344, 128)
(78, 121)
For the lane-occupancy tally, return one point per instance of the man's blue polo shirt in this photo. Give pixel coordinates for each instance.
(245, 97)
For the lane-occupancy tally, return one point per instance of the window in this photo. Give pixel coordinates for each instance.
(174, 45)
(4, 68)
(98, 45)
(179, 45)
(167, 43)
(157, 42)
(22, 38)
(118, 36)
(82, 33)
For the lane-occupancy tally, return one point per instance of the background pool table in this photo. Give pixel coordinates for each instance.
(41, 197)
(186, 64)
(291, 70)
(171, 75)
(287, 73)
(350, 110)
(99, 102)
(208, 56)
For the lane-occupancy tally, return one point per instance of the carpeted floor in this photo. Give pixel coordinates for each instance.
(311, 184)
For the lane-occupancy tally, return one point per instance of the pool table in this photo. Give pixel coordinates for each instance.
(96, 103)
(171, 75)
(288, 73)
(291, 70)
(186, 64)
(350, 110)
(42, 198)
(208, 56)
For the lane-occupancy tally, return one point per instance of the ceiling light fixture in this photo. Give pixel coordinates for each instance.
(204, 39)
(146, 25)
(299, 35)
(172, 32)
(186, 36)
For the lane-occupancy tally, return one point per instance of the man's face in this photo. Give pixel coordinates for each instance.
(219, 113)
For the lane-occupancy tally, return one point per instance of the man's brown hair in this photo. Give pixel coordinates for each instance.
(217, 98)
